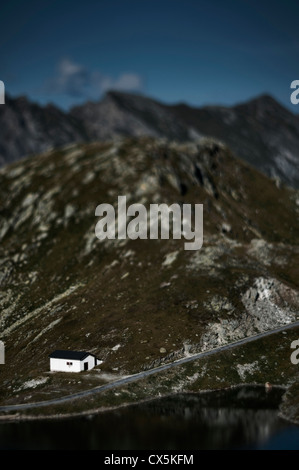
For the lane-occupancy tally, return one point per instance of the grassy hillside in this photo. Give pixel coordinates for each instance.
(137, 303)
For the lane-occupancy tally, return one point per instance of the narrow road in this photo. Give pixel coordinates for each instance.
(146, 373)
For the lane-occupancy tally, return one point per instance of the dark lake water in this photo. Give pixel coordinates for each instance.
(243, 418)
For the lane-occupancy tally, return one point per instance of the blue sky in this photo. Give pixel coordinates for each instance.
(198, 52)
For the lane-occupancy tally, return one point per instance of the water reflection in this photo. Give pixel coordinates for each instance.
(239, 418)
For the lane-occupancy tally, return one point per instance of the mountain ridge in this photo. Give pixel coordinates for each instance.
(260, 131)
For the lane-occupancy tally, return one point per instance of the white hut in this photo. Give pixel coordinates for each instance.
(72, 361)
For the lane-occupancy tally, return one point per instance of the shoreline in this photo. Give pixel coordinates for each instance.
(14, 418)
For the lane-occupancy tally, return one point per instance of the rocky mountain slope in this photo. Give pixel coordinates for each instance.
(261, 131)
(135, 303)
(124, 114)
(27, 128)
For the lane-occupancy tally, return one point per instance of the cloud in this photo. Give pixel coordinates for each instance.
(76, 81)
(71, 79)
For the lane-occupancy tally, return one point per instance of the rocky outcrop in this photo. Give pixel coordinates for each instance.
(268, 304)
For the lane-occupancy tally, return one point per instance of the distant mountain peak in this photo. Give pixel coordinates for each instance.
(265, 102)
(261, 130)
